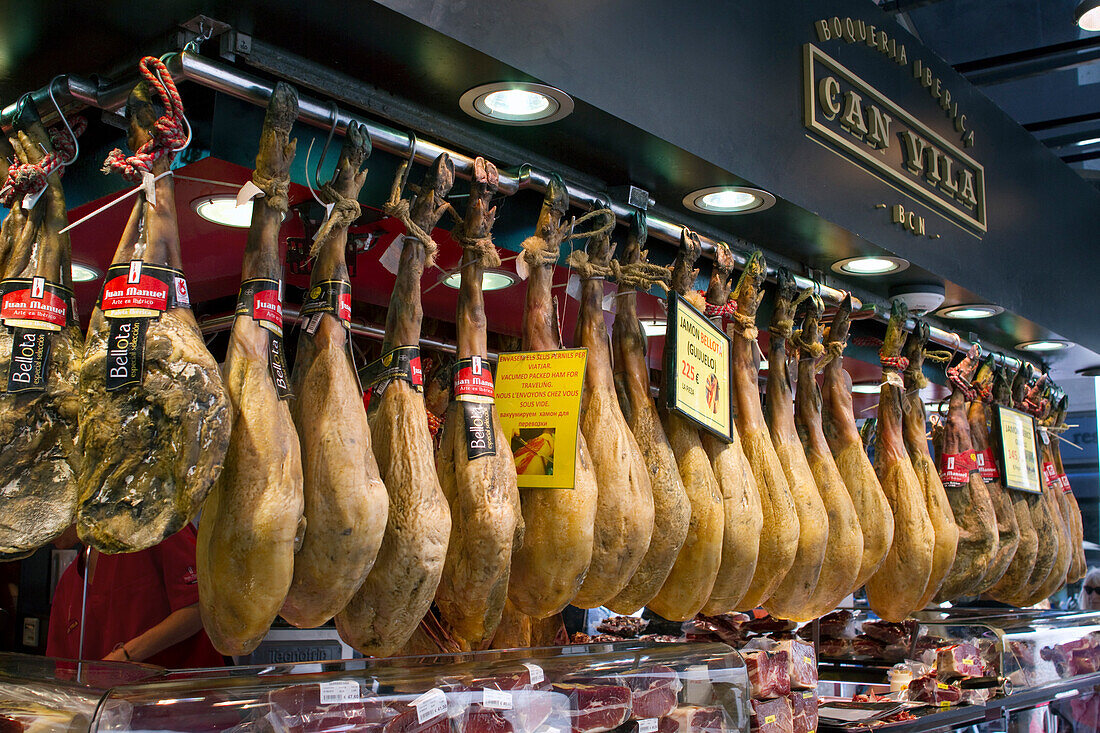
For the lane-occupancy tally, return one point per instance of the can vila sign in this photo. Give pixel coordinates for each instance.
(697, 368)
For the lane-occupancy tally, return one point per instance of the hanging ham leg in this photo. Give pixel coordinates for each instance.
(1013, 516)
(839, 423)
(13, 222)
(779, 541)
(740, 497)
(486, 520)
(1059, 507)
(38, 488)
(398, 591)
(149, 451)
(250, 522)
(672, 510)
(916, 442)
(1078, 567)
(548, 570)
(691, 580)
(793, 595)
(895, 590)
(970, 502)
(844, 548)
(624, 510)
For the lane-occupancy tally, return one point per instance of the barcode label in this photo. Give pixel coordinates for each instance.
(339, 691)
(431, 704)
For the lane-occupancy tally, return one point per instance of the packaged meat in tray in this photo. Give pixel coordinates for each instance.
(491, 709)
(772, 716)
(593, 708)
(654, 691)
(769, 674)
(324, 706)
(802, 664)
(956, 661)
(931, 691)
(804, 710)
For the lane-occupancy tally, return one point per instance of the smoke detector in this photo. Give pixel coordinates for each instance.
(919, 297)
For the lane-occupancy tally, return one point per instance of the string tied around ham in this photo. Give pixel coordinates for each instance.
(833, 351)
(813, 349)
(171, 132)
(345, 210)
(28, 179)
(954, 375)
(276, 191)
(642, 276)
(538, 253)
(482, 247)
(745, 325)
(401, 209)
(587, 269)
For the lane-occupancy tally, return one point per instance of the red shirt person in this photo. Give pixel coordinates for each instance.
(141, 607)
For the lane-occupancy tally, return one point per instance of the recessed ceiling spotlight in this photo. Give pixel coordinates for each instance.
(867, 388)
(1087, 15)
(867, 266)
(729, 200)
(84, 273)
(516, 103)
(490, 280)
(222, 209)
(1088, 141)
(1044, 345)
(970, 312)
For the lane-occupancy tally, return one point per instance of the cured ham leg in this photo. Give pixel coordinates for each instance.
(398, 591)
(548, 570)
(486, 520)
(895, 590)
(624, 509)
(740, 497)
(793, 595)
(839, 424)
(251, 521)
(672, 510)
(844, 547)
(38, 422)
(1078, 567)
(970, 502)
(691, 580)
(779, 541)
(1011, 508)
(151, 448)
(1059, 507)
(346, 504)
(916, 442)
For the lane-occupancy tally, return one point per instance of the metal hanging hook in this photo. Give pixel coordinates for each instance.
(64, 121)
(203, 35)
(324, 151)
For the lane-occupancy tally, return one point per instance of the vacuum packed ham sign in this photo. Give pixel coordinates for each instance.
(854, 118)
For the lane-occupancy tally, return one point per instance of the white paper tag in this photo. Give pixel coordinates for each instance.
(248, 192)
(697, 689)
(609, 303)
(391, 258)
(522, 268)
(148, 185)
(313, 322)
(647, 725)
(182, 297)
(374, 685)
(431, 704)
(573, 287)
(31, 199)
(339, 691)
(1046, 437)
(537, 675)
(496, 699)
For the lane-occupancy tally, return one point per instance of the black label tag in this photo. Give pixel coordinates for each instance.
(480, 438)
(261, 298)
(330, 296)
(126, 352)
(401, 363)
(278, 368)
(30, 356)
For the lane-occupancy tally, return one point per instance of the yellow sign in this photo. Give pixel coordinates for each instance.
(697, 365)
(538, 398)
(1018, 450)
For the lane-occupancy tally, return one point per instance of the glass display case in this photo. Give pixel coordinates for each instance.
(630, 687)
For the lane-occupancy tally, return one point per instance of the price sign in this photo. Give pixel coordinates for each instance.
(1019, 450)
(697, 368)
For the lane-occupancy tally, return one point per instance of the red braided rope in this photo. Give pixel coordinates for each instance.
(893, 362)
(168, 131)
(726, 309)
(30, 178)
(435, 423)
(964, 386)
(986, 393)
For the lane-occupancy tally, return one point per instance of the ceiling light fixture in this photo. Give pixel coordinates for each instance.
(868, 266)
(654, 326)
(970, 312)
(867, 388)
(222, 209)
(490, 280)
(84, 273)
(1044, 345)
(1087, 15)
(729, 200)
(1089, 141)
(516, 103)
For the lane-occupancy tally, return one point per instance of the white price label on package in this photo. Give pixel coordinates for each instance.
(496, 699)
(647, 725)
(431, 704)
(339, 691)
(537, 675)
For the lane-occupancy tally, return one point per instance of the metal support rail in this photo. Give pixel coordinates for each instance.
(229, 80)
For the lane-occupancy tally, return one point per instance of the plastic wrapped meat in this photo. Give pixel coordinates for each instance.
(836, 648)
(692, 719)
(802, 663)
(804, 711)
(931, 691)
(729, 627)
(653, 691)
(427, 713)
(768, 674)
(595, 708)
(890, 633)
(959, 660)
(626, 627)
(324, 706)
(1075, 657)
(492, 710)
(836, 625)
(772, 716)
